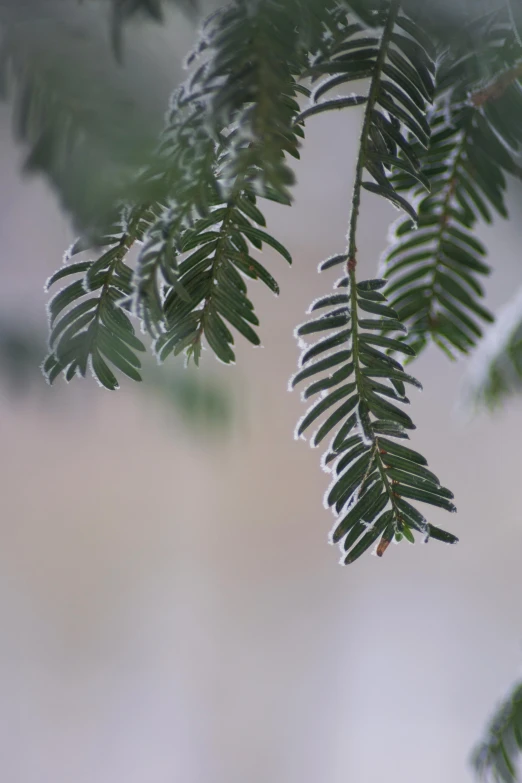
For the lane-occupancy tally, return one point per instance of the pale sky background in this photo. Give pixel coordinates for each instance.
(170, 609)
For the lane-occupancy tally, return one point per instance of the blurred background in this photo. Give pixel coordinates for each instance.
(169, 606)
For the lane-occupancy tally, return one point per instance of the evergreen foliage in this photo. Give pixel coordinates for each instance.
(435, 263)
(121, 11)
(496, 369)
(496, 757)
(438, 137)
(78, 109)
(177, 237)
(174, 251)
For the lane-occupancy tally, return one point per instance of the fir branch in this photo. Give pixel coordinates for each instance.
(495, 759)
(183, 183)
(232, 122)
(371, 102)
(433, 266)
(215, 257)
(84, 122)
(373, 475)
(495, 372)
(89, 331)
(197, 212)
(251, 80)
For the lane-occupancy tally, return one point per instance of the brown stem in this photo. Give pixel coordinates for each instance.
(497, 87)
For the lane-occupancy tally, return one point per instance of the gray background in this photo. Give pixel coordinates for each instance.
(170, 609)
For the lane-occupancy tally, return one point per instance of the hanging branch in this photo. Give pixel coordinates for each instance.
(373, 475)
(495, 758)
(434, 265)
(439, 134)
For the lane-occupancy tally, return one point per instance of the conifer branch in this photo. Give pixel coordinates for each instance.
(436, 142)
(373, 95)
(495, 759)
(373, 475)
